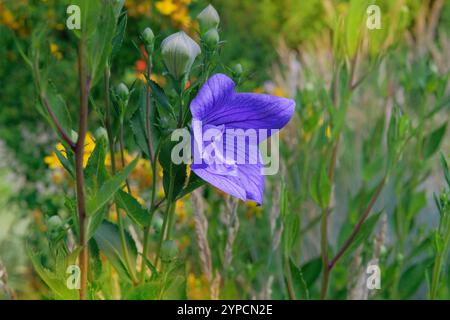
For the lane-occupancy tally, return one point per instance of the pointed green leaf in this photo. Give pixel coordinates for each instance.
(109, 189)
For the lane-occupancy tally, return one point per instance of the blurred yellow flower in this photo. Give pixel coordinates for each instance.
(54, 50)
(53, 162)
(197, 287)
(166, 7)
(328, 132)
(278, 91)
(182, 17)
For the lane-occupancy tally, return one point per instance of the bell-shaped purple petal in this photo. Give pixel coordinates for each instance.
(218, 104)
(232, 166)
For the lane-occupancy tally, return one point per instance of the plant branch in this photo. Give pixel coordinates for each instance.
(85, 84)
(58, 126)
(358, 226)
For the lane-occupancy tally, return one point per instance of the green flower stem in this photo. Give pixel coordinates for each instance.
(108, 119)
(122, 153)
(152, 213)
(288, 276)
(440, 258)
(119, 216)
(125, 248)
(167, 215)
(148, 108)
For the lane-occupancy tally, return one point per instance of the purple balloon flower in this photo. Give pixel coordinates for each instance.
(226, 120)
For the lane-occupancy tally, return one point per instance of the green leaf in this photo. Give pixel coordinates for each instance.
(171, 171)
(193, 183)
(65, 162)
(109, 189)
(59, 108)
(171, 285)
(321, 190)
(159, 94)
(311, 271)
(412, 278)
(108, 240)
(354, 25)
(95, 221)
(90, 11)
(300, 285)
(445, 168)
(95, 171)
(55, 281)
(133, 208)
(100, 44)
(119, 36)
(433, 140)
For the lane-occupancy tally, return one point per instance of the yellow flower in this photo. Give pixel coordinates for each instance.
(181, 17)
(166, 7)
(180, 210)
(280, 92)
(328, 132)
(54, 50)
(53, 162)
(197, 287)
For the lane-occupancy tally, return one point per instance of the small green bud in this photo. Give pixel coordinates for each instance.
(54, 223)
(148, 36)
(54, 227)
(101, 133)
(74, 135)
(169, 251)
(211, 38)
(179, 52)
(208, 18)
(149, 40)
(122, 92)
(237, 70)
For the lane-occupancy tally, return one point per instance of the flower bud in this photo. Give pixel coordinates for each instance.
(101, 133)
(54, 226)
(208, 18)
(179, 52)
(237, 70)
(54, 222)
(149, 39)
(169, 251)
(211, 38)
(74, 135)
(122, 92)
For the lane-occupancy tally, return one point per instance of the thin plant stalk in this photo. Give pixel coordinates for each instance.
(79, 171)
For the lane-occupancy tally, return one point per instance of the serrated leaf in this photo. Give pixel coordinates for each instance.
(159, 94)
(56, 282)
(119, 36)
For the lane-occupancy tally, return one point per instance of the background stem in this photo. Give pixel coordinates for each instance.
(79, 160)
